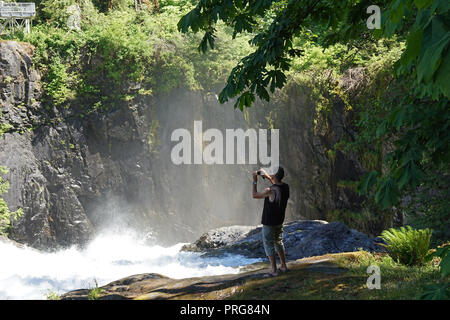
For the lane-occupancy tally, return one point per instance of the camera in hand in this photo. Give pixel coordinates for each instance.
(260, 173)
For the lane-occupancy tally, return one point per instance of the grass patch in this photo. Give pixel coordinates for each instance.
(52, 295)
(96, 292)
(397, 281)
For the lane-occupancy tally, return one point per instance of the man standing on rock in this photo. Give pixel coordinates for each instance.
(275, 201)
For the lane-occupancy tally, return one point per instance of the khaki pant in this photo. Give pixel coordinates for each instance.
(272, 237)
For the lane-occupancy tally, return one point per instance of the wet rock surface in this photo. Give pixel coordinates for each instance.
(151, 286)
(302, 238)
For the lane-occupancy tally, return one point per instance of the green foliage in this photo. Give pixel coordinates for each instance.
(6, 216)
(96, 292)
(52, 295)
(427, 54)
(439, 291)
(407, 245)
(366, 220)
(419, 122)
(420, 134)
(444, 266)
(59, 82)
(275, 48)
(428, 207)
(4, 127)
(120, 49)
(54, 11)
(56, 56)
(436, 291)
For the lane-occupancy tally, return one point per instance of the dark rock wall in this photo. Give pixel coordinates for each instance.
(75, 176)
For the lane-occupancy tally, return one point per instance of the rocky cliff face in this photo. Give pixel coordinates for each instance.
(33, 153)
(75, 176)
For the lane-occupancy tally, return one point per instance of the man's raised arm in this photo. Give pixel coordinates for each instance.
(255, 193)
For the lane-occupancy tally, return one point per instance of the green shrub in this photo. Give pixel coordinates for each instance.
(407, 245)
(6, 215)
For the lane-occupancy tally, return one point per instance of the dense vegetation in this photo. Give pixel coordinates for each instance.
(401, 118)
(128, 48)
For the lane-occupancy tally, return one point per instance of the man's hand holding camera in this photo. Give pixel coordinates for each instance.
(263, 173)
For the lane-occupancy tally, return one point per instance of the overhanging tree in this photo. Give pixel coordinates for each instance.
(419, 124)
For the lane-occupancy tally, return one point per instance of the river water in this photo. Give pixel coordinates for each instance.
(30, 274)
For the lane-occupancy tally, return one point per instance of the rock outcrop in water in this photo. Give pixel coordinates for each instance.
(302, 239)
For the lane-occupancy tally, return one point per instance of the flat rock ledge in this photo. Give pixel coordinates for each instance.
(152, 286)
(302, 238)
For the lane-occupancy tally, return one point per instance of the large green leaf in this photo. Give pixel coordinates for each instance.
(367, 182)
(433, 48)
(397, 10)
(410, 174)
(413, 46)
(399, 117)
(436, 292)
(444, 265)
(387, 194)
(381, 130)
(441, 6)
(420, 4)
(442, 77)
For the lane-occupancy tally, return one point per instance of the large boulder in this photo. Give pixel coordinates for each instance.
(302, 238)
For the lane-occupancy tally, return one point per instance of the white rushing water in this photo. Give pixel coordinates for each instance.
(30, 274)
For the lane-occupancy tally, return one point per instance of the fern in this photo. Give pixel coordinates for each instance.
(407, 245)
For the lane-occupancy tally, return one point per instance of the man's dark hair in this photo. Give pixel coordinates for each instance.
(280, 174)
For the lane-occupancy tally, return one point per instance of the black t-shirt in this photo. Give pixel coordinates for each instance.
(274, 211)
